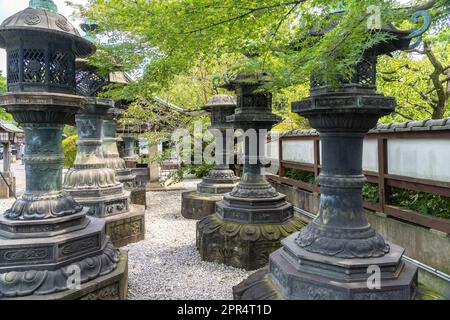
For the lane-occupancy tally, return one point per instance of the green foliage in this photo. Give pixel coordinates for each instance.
(69, 146)
(300, 175)
(199, 171)
(408, 78)
(168, 38)
(3, 114)
(426, 203)
(70, 130)
(2, 83)
(370, 192)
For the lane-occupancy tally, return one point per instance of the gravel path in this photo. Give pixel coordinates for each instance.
(167, 265)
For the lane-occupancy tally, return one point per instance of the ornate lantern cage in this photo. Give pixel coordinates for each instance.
(37, 63)
(6, 137)
(9, 133)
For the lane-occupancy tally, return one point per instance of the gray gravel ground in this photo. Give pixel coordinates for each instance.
(167, 265)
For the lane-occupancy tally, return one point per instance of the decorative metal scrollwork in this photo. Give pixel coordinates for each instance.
(418, 32)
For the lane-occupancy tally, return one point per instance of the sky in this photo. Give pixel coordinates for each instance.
(10, 7)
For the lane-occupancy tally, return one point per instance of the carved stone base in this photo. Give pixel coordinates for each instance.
(126, 177)
(38, 259)
(127, 228)
(246, 246)
(196, 205)
(294, 273)
(102, 206)
(29, 206)
(218, 181)
(139, 196)
(113, 286)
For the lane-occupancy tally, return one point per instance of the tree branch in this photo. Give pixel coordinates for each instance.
(243, 15)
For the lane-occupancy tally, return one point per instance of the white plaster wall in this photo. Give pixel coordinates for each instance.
(298, 151)
(370, 155)
(419, 158)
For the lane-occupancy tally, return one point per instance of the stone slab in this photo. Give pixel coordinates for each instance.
(127, 228)
(196, 205)
(139, 196)
(295, 283)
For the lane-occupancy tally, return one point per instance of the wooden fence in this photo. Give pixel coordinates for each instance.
(413, 156)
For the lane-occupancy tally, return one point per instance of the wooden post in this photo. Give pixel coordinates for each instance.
(316, 157)
(383, 188)
(280, 156)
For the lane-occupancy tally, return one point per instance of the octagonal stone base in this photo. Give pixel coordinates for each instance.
(195, 205)
(296, 274)
(102, 204)
(127, 227)
(113, 286)
(36, 256)
(246, 246)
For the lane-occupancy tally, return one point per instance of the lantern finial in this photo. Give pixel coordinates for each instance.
(43, 4)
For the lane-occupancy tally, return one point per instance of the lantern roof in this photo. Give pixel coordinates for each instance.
(43, 19)
(220, 100)
(9, 127)
(247, 79)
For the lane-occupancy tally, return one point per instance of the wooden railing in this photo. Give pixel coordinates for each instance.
(382, 177)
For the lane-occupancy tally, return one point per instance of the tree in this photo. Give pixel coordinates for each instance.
(419, 80)
(167, 38)
(3, 114)
(2, 83)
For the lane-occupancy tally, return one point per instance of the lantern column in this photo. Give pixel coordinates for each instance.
(50, 248)
(339, 256)
(251, 220)
(221, 179)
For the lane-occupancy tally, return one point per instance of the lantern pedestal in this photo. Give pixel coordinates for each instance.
(220, 180)
(112, 286)
(46, 236)
(195, 205)
(201, 203)
(251, 220)
(131, 158)
(111, 153)
(338, 255)
(94, 186)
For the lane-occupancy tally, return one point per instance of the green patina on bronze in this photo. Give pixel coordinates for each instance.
(240, 245)
(43, 4)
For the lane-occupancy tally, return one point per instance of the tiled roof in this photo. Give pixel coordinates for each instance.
(423, 125)
(9, 127)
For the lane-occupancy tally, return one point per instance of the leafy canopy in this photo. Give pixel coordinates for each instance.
(162, 39)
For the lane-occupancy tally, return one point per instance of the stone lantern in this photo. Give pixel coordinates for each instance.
(221, 179)
(129, 140)
(334, 256)
(89, 83)
(251, 220)
(47, 242)
(129, 137)
(94, 185)
(111, 152)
